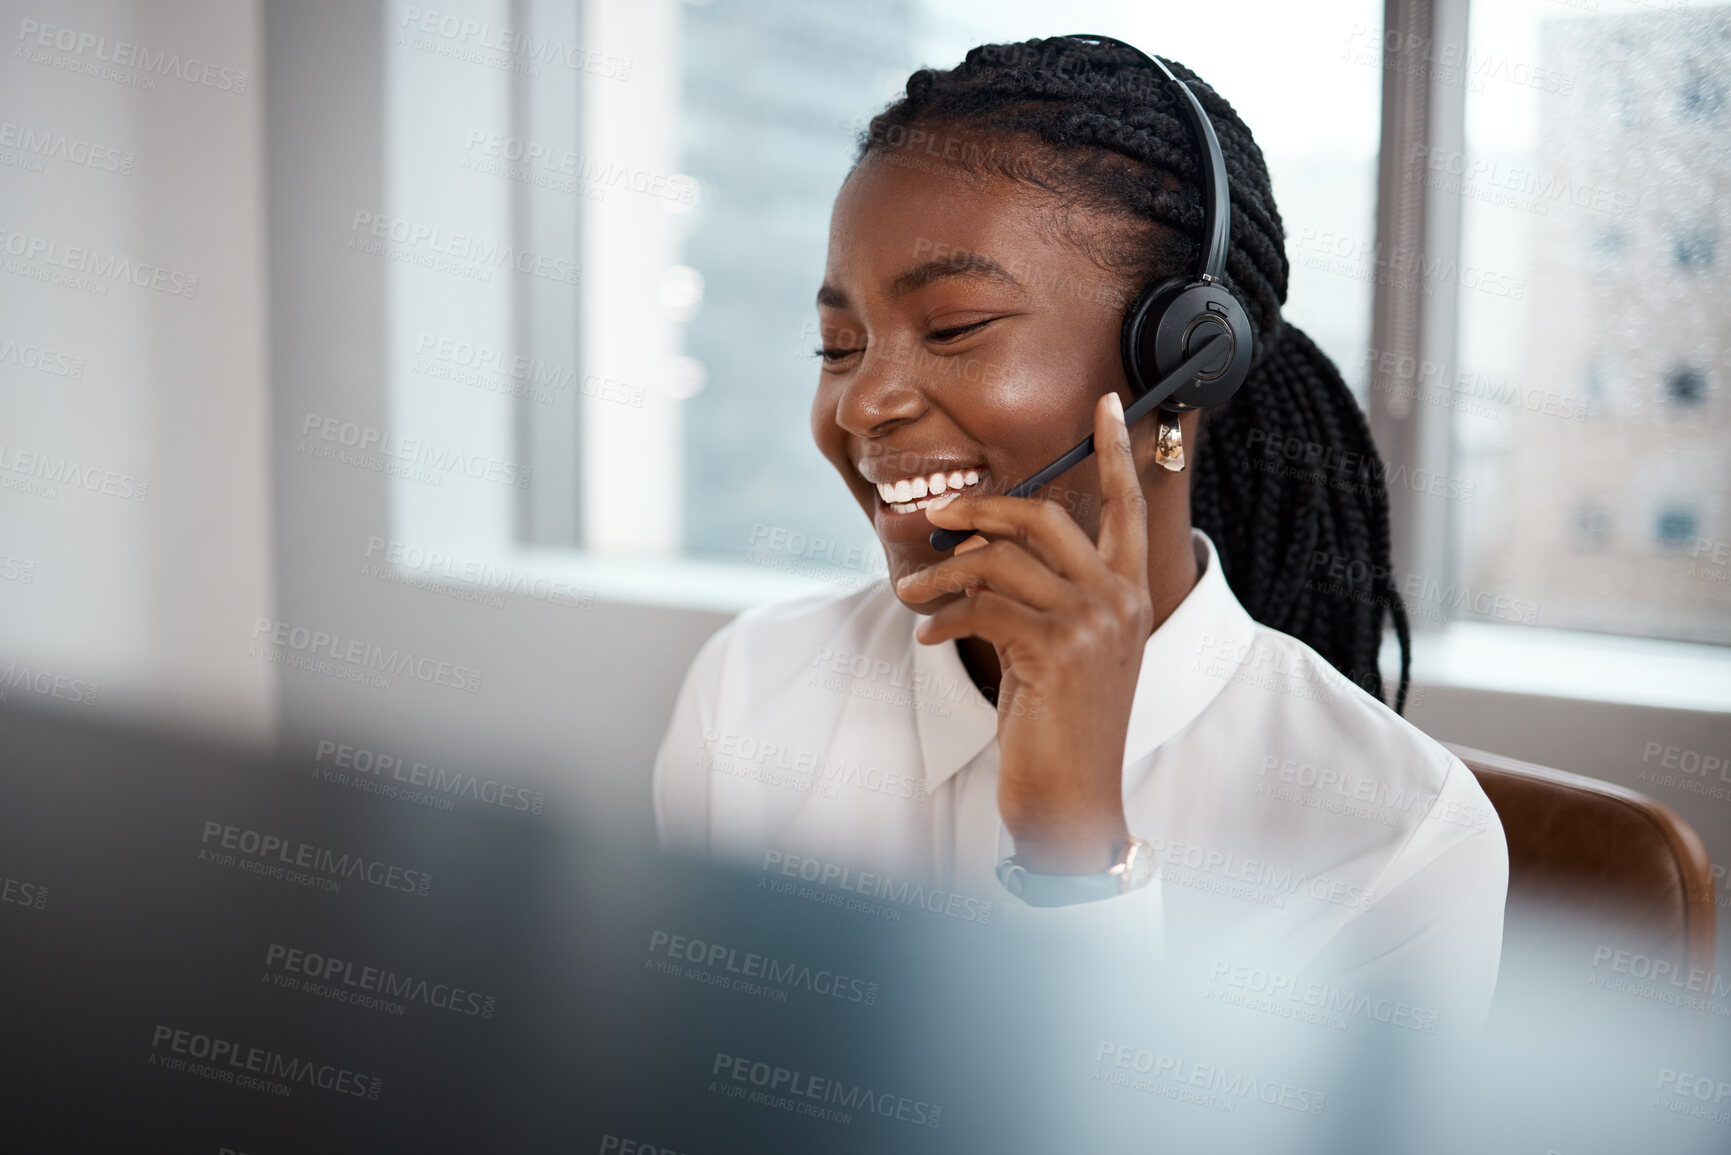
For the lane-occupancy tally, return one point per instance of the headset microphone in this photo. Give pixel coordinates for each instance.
(1186, 342)
(1197, 363)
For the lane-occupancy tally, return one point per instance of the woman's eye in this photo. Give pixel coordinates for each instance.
(958, 331)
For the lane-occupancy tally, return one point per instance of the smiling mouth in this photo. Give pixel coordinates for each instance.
(911, 494)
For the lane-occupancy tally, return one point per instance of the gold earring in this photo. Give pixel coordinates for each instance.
(1169, 445)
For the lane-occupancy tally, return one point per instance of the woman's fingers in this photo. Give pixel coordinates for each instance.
(1003, 566)
(990, 616)
(1042, 528)
(1123, 507)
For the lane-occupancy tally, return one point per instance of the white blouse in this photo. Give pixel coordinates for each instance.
(1298, 823)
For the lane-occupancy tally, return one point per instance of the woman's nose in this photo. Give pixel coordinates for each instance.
(882, 393)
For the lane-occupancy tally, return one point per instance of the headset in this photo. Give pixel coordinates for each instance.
(1186, 342)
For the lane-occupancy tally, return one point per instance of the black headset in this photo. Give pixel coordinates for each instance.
(1186, 342)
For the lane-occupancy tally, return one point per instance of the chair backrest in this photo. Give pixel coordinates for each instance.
(1591, 851)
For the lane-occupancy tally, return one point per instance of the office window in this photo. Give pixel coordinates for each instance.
(1685, 386)
(1598, 134)
(1694, 248)
(1676, 527)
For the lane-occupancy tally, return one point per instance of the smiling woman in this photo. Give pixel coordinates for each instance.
(1128, 676)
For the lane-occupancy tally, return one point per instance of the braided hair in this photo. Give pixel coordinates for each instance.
(1287, 480)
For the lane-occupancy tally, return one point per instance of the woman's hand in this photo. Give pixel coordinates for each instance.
(1069, 622)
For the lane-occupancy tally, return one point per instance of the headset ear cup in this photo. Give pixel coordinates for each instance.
(1198, 312)
(1141, 320)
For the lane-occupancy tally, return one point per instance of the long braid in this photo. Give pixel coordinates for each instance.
(1287, 480)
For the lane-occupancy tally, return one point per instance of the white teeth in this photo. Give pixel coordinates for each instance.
(911, 493)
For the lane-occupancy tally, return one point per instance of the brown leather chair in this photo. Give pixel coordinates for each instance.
(1586, 851)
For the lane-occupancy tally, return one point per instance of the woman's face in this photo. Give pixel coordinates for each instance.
(962, 335)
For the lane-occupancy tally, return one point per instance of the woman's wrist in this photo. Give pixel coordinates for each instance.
(1091, 845)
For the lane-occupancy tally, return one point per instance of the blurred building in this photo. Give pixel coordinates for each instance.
(1617, 490)
(775, 93)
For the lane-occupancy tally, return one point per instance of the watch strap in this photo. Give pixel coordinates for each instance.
(1134, 870)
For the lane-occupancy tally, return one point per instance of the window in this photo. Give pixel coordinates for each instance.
(1676, 527)
(1598, 132)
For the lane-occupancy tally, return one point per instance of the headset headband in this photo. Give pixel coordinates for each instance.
(1216, 208)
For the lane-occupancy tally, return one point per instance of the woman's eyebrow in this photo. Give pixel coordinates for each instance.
(960, 265)
(918, 277)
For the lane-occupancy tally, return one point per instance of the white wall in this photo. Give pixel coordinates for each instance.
(148, 600)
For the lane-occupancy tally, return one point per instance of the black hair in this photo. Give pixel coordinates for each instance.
(1287, 481)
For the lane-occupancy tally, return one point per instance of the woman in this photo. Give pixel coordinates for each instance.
(1167, 660)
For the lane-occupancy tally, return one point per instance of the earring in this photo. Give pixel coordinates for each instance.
(1169, 445)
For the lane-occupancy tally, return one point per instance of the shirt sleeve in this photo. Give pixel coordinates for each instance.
(1433, 935)
(680, 781)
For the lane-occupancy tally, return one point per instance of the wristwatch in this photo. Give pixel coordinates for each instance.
(1134, 870)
